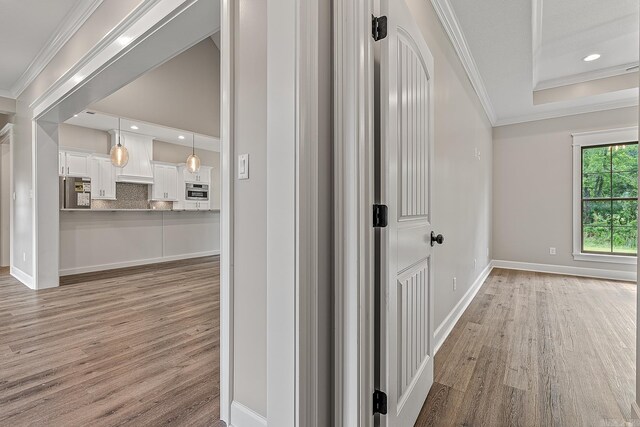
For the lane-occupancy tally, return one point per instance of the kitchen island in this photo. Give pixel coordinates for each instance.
(104, 239)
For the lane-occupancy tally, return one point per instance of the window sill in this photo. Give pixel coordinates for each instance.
(613, 259)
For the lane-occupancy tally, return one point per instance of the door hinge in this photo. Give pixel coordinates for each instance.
(379, 402)
(378, 27)
(380, 216)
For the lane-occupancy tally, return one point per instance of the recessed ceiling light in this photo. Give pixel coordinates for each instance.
(134, 127)
(591, 57)
(75, 115)
(181, 137)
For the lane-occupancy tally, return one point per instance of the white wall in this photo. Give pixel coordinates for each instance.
(462, 188)
(94, 241)
(532, 187)
(93, 140)
(103, 20)
(7, 105)
(250, 198)
(4, 119)
(5, 203)
(189, 97)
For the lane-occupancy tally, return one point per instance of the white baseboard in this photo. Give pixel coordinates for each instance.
(241, 416)
(21, 276)
(134, 263)
(629, 276)
(450, 321)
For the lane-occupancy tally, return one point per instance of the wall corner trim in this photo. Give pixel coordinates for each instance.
(447, 17)
(445, 328)
(597, 273)
(635, 411)
(23, 277)
(241, 416)
(69, 26)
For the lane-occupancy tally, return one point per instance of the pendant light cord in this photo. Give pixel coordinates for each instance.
(119, 131)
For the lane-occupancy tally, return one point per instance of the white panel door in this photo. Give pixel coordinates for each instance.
(404, 168)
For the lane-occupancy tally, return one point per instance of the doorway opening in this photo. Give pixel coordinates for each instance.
(139, 241)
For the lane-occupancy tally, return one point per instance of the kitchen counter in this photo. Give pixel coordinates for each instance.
(137, 210)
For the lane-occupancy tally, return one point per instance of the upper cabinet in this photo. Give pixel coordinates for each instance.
(103, 178)
(165, 184)
(203, 176)
(71, 163)
(139, 169)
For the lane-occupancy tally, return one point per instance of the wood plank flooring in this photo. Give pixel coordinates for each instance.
(537, 349)
(136, 347)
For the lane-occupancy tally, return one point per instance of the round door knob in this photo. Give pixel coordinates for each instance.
(439, 239)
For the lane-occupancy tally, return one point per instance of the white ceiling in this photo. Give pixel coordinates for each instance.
(106, 122)
(499, 38)
(570, 30)
(31, 32)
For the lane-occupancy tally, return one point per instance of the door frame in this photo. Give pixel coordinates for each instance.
(6, 137)
(294, 313)
(354, 314)
(141, 25)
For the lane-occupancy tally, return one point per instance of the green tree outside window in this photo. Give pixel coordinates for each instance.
(610, 199)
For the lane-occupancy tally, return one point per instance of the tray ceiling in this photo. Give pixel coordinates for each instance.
(521, 46)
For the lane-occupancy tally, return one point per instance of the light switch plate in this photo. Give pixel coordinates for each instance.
(243, 166)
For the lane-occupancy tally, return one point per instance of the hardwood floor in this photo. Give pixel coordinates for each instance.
(137, 347)
(537, 349)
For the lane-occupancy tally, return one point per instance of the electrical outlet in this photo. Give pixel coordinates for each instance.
(455, 284)
(475, 263)
(24, 256)
(552, 251)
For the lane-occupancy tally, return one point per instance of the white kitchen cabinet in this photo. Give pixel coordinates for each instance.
(190, 205)
(139, 168)
(103, 178)
(74, 164)
(203, 176)
(165, 182)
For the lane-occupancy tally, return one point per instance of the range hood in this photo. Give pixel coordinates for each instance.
(139, 169)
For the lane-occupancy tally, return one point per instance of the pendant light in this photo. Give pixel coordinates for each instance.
(193, 161)
(119, 153)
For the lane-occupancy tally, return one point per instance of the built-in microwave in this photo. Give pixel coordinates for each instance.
(198, 192)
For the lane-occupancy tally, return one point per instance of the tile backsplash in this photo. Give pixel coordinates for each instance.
(129, 196)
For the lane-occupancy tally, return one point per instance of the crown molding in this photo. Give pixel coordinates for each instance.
(67, 28)
(101, 49)
(631, 101)
(452, 28)
(6, 94)
(603, 73)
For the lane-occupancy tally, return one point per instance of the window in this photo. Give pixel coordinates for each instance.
(606, 206)
(610, 199)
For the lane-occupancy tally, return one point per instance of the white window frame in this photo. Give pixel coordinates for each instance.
(587, 139)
